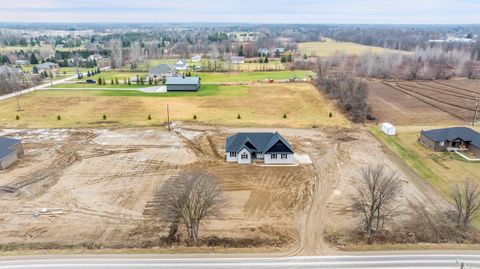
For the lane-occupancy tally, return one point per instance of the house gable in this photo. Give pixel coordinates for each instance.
(279, 146)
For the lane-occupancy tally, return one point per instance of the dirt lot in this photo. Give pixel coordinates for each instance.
(424, 102)
(105, 182)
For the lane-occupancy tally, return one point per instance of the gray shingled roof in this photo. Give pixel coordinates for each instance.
(161, 69)
(6, 146)
(46, 65)
(450, 134)
(261, 141)
(183, 81)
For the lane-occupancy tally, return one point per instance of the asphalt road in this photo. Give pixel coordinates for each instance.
(152, 261)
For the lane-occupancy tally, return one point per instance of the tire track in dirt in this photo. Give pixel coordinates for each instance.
(311, 222)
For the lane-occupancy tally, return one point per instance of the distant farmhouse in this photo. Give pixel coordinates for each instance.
(196, 58)
(272, 148)
(10, 151)
(452, 139)
(183, 84)
(48, 66)
(181, 65)
(161, 71)
(22, 62)
(237, 59)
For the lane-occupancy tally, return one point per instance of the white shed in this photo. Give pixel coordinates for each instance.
(388, 128)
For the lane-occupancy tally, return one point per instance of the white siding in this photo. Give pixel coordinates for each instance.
(388, 129)
(231, 159)
(248, 160)
(278, 160)
(9, 160)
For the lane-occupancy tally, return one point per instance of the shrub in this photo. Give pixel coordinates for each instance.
(284, 115)
(238, 116)
(58, 117)
(330, 114)
(149, 117)
(194, 116)
(104, 117)
(17, 117)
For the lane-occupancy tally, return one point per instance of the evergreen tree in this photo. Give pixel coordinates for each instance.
(238, 116)
(58, 117)
(33, 59)
(99, 81)
(116, 81)
(112, 82)
(290, 58)
(266, 60)
(283, 59)
(104, 117)
(149, 117)
(305, 56)
(88, 74)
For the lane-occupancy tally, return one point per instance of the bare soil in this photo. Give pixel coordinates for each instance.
(100, 185)
(424, 102)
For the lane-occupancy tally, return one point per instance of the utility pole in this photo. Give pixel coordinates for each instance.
(476, 112)
(168, 118)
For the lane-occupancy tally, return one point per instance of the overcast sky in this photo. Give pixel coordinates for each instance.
(247, 11)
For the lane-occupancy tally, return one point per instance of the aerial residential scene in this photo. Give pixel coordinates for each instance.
(239, 134)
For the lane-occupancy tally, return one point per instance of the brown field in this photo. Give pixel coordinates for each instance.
(257, 104)
(106, 183)
(424, 102)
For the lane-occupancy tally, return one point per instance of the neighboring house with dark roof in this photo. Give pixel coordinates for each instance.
(10, 151)
(181, 65)
(183, 84)
(450, 139)
(272, 148)
(162, 70)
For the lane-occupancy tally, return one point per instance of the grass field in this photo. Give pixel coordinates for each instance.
(207, 78)
(330, 47)
(273, 64)
(442, 170)
(258, 105)
(251, 76)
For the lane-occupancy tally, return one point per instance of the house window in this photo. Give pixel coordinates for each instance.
(244, 156)
(274, 156)
(283, 156)
(233, 154)
(442, 144)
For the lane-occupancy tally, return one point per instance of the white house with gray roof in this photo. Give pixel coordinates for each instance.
(10, 151)
(161, 71)
(181, 65)
(272, 148)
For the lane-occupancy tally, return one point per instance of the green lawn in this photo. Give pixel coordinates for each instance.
(250, 76)
(205, 90)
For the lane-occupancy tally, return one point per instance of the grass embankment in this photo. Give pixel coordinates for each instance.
(258, 105)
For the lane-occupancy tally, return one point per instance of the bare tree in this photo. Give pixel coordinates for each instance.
(467, 203)
(375, 194)
(191, 198)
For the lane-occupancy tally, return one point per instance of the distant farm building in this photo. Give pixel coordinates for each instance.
(272, 148)
(196, 58)
(162, 70)
(22, 62)
(10, 151)
(183, 84)
(181, 65)
(237, 59)
(452, 139)
(388, 128)
(48, 66)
